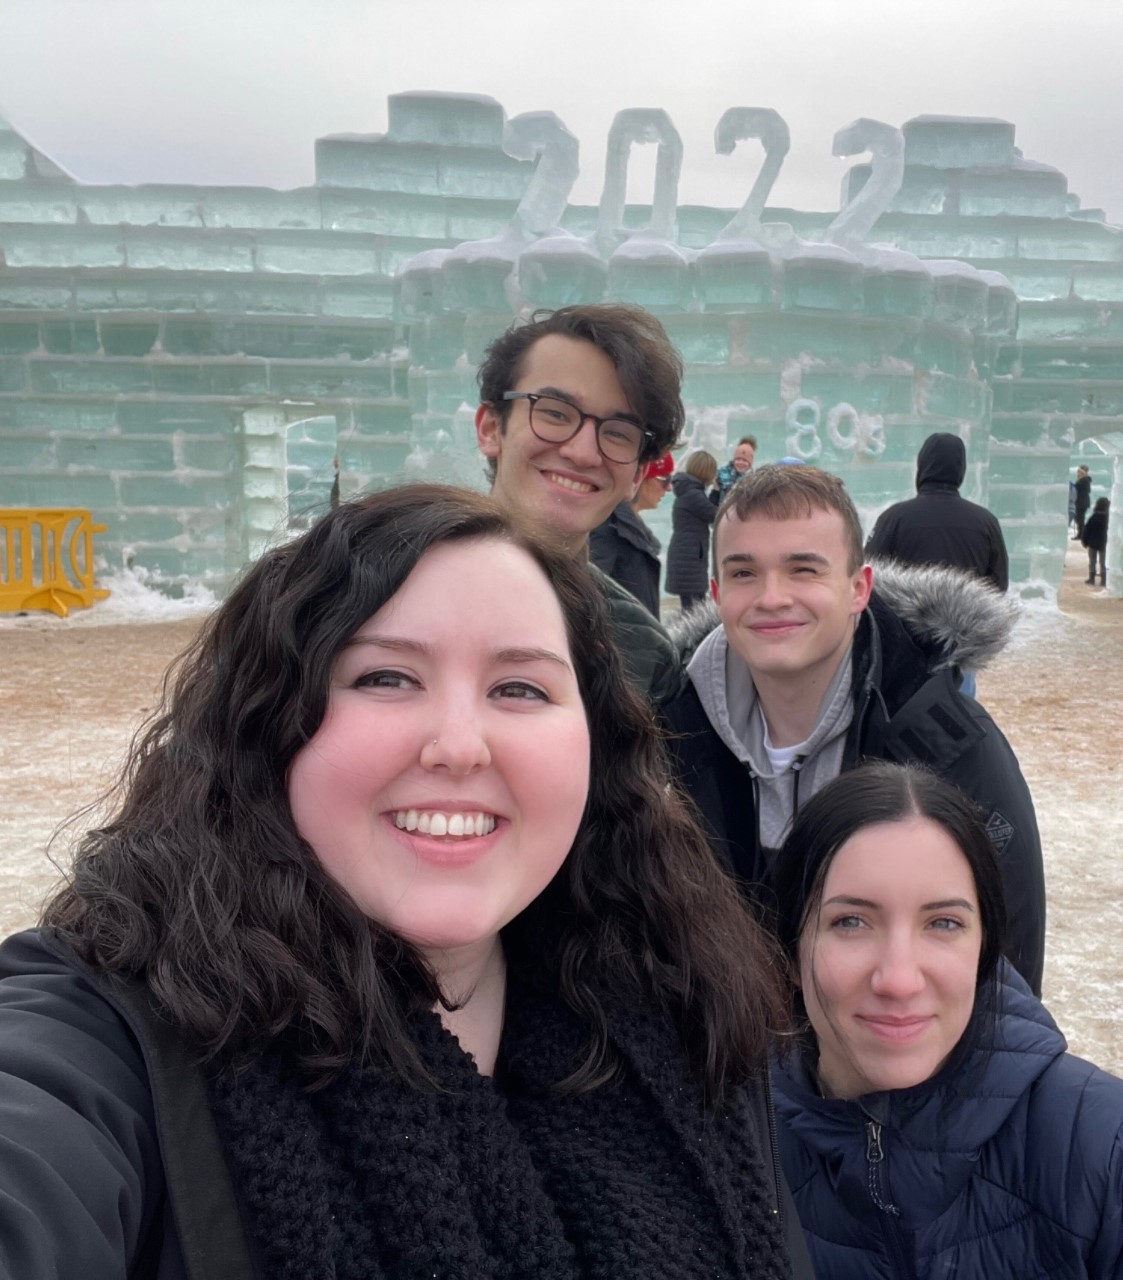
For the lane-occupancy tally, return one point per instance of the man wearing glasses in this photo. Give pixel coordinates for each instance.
(574, 404)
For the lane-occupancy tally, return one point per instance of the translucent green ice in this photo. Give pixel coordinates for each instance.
(190, 362)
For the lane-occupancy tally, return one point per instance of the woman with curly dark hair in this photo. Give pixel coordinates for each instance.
(399, 957)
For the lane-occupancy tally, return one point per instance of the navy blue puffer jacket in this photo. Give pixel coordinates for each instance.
(1007, 1167)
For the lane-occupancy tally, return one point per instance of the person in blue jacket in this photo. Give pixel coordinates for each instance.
(931, 1122)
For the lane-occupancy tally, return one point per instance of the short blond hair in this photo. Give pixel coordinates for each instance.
(702, 466)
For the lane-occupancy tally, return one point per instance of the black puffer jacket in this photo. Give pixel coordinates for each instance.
(626, 549)
(938, 526)
(1004, 1167)
(688, 554)
(921, 626)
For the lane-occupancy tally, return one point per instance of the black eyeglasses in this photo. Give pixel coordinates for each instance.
(556, 421)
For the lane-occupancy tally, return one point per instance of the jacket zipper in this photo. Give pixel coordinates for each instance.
(875, 1157)
(774, 1148)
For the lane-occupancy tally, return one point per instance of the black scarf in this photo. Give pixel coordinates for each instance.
(497, 1180)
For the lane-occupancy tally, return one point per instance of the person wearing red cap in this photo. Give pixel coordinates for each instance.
(624, 547)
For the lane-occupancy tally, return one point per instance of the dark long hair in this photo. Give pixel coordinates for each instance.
(201, 885)
(877, 792)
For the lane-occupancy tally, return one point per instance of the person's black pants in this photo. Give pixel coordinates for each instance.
(1081, 516)
(1093, 552)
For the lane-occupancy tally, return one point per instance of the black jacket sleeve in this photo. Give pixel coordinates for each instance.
(998, 570)
(882, 541)
(81, 1180)
(990, 774)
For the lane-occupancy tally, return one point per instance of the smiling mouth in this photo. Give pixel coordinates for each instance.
(574, 486)
(897, 1029)
(447, 826)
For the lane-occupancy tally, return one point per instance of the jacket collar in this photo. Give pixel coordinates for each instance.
(632, 529)
(936, 1128)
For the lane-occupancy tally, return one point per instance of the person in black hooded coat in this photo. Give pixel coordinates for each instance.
(938, 526)
(688, 556)
(1094, 538)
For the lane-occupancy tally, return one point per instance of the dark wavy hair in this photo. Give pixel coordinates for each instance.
(647, 364)
(201, 886)
(876, 792)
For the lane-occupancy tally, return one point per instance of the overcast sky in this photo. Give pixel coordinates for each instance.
(236, 91)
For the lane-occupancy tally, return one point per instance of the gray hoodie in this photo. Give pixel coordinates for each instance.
(967, 620)
(729, 698)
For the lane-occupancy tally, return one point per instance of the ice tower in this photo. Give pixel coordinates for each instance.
(190, 362)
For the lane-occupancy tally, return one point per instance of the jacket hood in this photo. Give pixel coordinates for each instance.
(942, 460)
(681, 481)
(962, 620)
(947, 1118)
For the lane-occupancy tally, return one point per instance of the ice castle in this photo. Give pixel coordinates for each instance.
(193, 363)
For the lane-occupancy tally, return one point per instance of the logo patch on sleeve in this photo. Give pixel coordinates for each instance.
(1000, 831)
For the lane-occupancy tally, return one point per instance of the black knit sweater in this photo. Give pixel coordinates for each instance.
(500, 1178)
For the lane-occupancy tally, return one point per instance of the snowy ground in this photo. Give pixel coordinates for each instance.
(72, 693)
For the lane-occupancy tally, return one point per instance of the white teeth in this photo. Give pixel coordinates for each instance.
(576, 485)
(444, 825)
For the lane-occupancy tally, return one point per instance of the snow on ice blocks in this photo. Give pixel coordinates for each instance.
(437, 144)
(138, 320)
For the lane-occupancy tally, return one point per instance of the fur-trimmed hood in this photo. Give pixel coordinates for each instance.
(965, 620)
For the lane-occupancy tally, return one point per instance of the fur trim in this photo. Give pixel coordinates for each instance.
(966, 619)
(688, 630)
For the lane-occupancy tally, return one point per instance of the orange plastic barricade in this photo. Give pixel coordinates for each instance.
(47, 560)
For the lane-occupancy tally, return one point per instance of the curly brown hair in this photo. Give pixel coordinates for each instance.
(201, 886)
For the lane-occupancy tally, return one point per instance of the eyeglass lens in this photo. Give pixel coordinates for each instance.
(557, 421)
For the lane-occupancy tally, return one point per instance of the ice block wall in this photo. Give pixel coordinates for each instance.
(190, 362)
(187, 362)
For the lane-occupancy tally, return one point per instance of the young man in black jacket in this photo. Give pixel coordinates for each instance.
(813, 670)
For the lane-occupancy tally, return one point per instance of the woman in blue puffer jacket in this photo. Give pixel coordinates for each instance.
(931, 1122)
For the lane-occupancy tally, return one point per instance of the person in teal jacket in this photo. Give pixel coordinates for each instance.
(932, 1124)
